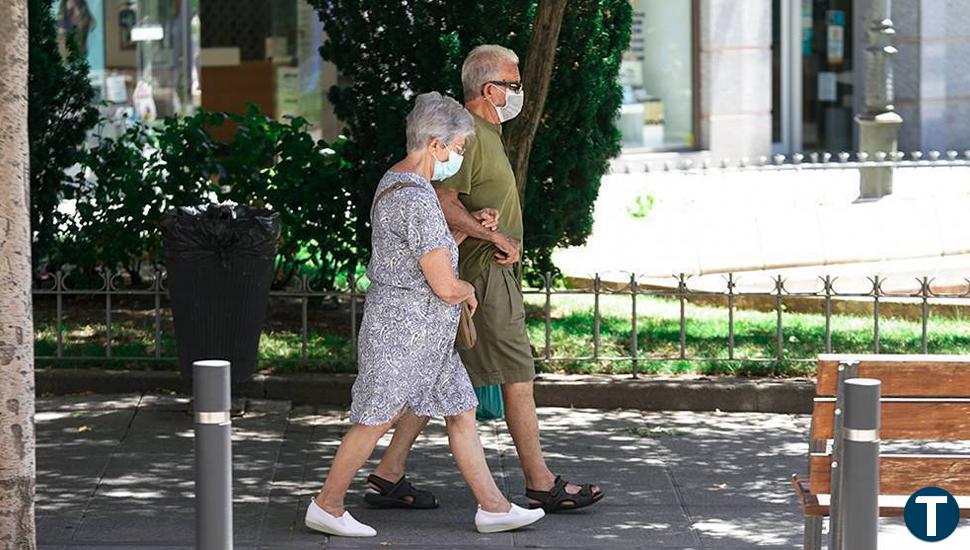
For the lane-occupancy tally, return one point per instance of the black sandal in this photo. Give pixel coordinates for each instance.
(398, 495)
(558, 499)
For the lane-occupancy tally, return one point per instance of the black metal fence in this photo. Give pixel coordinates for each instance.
(677, 290)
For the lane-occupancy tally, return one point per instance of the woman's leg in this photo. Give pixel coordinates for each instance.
(467, 450)
(353, 452)
(395, 457)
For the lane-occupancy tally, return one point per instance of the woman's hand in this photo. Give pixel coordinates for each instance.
(472, 302)
(488, 217)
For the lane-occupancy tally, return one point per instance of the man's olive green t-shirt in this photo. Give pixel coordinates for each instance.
(485, 180)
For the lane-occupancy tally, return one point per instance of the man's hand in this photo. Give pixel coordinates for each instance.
(461, 220)
(509, 249)
(488, 218)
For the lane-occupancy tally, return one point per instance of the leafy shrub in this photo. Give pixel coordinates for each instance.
(131, 181)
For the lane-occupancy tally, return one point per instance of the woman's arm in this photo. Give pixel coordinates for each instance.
(436, 266)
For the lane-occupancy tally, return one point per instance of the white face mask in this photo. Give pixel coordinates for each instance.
(512, 107)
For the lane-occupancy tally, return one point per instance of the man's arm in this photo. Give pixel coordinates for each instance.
(459, 219)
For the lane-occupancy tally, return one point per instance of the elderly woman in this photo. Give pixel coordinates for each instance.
(407, 357)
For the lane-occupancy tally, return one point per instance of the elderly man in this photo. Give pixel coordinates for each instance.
(489, 259)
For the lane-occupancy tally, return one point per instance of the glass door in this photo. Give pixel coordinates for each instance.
(828, 75)
(657, 75)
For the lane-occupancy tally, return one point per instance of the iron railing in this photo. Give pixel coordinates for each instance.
(635, 290)
(800, 161)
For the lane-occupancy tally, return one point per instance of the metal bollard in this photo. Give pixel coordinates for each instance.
(213, 455)
(860, 462)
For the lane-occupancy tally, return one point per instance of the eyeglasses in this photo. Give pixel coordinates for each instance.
(514, 85)
(459, 149)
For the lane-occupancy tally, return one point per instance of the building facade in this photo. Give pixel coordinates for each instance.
(746, 78)
(154, 58)
(721, 78)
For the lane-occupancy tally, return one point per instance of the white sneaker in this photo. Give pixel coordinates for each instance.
(490, 522)
(319, 519)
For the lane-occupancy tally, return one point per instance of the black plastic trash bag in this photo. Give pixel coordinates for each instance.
(219, 260)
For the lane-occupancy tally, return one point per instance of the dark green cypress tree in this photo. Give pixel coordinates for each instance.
(577, 136)
(388, 51)
(60, 115)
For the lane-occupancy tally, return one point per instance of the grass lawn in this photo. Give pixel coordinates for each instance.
(658, 334)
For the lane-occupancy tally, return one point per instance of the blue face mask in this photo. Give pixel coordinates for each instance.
(448, 168)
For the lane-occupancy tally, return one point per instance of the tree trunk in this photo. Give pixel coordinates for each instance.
(539, 62)
(17, 467)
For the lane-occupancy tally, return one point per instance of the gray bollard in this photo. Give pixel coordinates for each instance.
(860, 463)
(213, 455)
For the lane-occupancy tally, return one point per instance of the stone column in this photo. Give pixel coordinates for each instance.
(735, 78)
(879, 123)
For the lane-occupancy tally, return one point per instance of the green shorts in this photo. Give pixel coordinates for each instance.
(503, 353)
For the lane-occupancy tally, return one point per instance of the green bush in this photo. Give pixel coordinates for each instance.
(131, 181)
(60, 113)
(392, 50)
(281, 167)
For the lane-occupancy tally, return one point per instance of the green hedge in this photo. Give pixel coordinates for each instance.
(129, 182)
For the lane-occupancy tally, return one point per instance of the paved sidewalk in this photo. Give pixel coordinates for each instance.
(116, 472)
(660, 224)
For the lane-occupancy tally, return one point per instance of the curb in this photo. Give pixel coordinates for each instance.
(654, 393)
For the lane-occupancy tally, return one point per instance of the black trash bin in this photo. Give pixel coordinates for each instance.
(219, 260)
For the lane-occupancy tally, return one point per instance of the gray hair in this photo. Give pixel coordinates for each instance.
(483, 65)
(437, 116)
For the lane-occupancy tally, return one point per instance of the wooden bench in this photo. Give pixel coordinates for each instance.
(925, 398)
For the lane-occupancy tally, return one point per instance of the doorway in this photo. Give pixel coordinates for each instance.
(814, 75)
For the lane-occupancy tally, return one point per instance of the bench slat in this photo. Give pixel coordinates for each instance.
(902, 375)
(906, 418)
(902, 474)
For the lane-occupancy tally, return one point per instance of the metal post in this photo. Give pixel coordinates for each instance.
(860, 509)
(596, 317)
(304, 302)
(107, 311)
(547, 353)
(779, 327)
(634, 345)
(213, 456)
(924, 292)
(847, 371)
(876, 291)
(828, 313)
(157, 295)
(731, 316)
(681, 298)
(59, 288)
(879, 124)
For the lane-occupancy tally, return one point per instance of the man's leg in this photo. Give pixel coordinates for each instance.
(523, 423)
(394, 461)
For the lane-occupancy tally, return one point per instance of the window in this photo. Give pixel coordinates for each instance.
(657, 75)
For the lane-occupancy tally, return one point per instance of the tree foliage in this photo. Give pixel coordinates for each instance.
(60, 113)
(389, 51)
